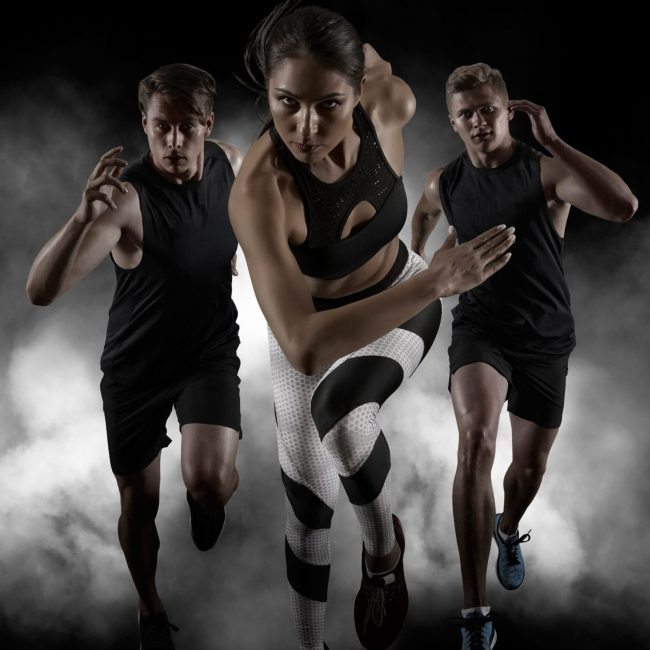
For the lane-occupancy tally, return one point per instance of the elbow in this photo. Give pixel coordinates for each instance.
(306, 366)
(39, 301)
(624, 209)
(303, 360)
(36, 296)
(303, 355)
(630, 208)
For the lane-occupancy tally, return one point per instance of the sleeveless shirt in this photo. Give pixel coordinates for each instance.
(174, 310)
(527, 303)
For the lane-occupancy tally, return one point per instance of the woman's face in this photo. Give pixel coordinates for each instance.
(311, 107)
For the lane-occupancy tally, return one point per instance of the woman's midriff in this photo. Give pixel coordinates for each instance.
(373, 271)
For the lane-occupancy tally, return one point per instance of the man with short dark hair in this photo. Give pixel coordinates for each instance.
(512, 335)
(172, 333)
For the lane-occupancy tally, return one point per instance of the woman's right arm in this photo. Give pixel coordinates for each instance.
(88, 236)
(312, 340)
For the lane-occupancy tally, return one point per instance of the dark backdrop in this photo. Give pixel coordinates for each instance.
(68, 94)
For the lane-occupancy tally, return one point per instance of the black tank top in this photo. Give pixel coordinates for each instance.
(174, 310)
(328, 205)
(526, 304)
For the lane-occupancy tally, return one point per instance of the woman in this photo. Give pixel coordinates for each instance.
(317, 208)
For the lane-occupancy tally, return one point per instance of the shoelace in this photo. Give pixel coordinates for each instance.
(380, 592)
(476, 637)
(511, 548)
(475, 626)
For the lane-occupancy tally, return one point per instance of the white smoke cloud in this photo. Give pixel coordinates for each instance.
(56, 494)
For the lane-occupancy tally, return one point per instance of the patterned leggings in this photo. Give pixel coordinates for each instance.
(327, 430)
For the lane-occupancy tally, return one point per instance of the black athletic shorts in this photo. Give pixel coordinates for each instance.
(136, 415)
(536, 382)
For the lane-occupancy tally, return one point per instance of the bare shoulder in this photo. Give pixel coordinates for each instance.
(550, 166)
(127, 209)
(232, 152)
(552, 172)
(432, 181)
(128, 216)
(432, 186)
(257, 189)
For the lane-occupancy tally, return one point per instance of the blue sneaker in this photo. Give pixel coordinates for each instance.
(478, 632)
(510, 562)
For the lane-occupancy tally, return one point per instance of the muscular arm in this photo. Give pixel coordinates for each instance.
(427, 213)
(88, 236)
(312, 340)
(574, 178)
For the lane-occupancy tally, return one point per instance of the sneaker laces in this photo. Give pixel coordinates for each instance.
(475, 626)
(380, 592)
(512, 558)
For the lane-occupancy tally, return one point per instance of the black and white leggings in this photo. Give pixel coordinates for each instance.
(327, 431)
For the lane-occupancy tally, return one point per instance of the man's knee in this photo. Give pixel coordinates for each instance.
(531, 472)
(211, 486)
(139, 502)
(476, 450)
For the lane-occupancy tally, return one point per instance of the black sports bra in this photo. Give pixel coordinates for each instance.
(324, 254)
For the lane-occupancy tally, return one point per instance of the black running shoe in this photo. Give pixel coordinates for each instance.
(382, 602)
(155, 632)
(205, 526)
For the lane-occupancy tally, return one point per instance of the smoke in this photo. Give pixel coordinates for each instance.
(53, 489)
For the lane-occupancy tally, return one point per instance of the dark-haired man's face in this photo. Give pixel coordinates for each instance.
(176, 139)
(311, 107)
(480, 116)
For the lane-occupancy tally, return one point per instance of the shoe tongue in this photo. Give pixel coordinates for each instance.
(385, 579)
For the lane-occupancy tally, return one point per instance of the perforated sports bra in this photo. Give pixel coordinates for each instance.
(324, 254)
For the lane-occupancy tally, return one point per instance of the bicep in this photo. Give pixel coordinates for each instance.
(570, 191)
(102, 236)
(97, 244)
